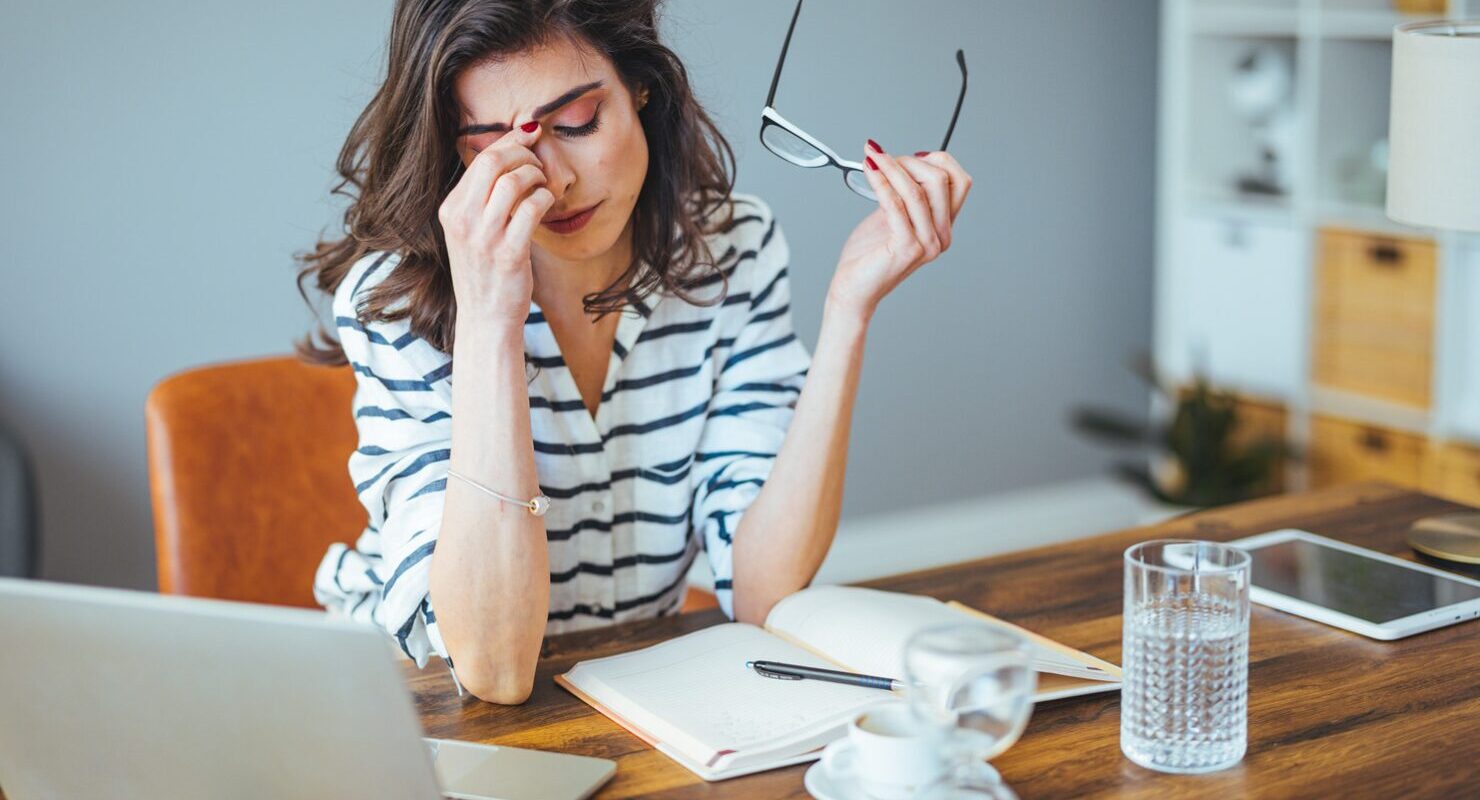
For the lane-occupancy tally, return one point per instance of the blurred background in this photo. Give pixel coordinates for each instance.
(1173, 285)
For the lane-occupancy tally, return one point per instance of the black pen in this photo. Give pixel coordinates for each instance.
(796, 672)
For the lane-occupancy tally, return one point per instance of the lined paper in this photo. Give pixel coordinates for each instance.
(866, 630)
(696, 693)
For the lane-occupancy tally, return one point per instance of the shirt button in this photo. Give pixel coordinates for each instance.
(597, 505)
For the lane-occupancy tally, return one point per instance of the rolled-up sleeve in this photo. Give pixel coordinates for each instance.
(399, 470)
(755, 396)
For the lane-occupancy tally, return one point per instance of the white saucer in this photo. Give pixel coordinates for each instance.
(822, 786)
(825, 787)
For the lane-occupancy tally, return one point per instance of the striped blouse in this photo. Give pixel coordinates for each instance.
(696, 403)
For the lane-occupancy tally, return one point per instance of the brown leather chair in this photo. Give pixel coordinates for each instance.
(248, 471)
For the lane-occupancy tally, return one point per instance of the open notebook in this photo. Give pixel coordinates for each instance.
(695, 701)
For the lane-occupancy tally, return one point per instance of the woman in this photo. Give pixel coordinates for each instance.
(526, 169)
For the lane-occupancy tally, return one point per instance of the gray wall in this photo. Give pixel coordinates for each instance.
(162, 162)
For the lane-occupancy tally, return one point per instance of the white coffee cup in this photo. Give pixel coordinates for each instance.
(888, 752)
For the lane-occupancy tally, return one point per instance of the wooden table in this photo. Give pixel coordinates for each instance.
(1331, 714)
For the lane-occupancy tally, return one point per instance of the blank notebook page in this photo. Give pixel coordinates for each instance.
(863, 630)
(696, 693)
(866, 629)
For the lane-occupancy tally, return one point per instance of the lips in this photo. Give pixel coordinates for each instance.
(570, 216)
(570, 223)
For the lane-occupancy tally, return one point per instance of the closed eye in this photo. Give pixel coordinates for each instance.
(584, 130)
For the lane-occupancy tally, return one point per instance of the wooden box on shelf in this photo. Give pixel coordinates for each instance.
(1374, 315)
(1452, 471)
(1342, 451)
(1435, 7)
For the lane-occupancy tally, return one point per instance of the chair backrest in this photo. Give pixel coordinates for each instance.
(248, 472)
(249, 476)
(17, 508)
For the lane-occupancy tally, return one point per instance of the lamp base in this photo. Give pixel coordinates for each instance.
(1452, 540)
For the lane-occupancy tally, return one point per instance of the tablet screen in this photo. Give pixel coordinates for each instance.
(1351, 583)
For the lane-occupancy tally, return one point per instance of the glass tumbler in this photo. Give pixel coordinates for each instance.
(972, 683)
(1185, 653)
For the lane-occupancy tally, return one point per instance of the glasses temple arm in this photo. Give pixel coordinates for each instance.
(960, 59)
(785, 45)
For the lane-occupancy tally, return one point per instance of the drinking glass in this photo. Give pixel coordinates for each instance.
(973, 683)
(1185, 643)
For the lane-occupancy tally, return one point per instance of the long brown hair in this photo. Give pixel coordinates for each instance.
(400, 160)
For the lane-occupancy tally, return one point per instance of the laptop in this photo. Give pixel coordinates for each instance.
(123, 694)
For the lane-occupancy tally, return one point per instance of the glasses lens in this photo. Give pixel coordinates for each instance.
(785, 144)
(858, 182)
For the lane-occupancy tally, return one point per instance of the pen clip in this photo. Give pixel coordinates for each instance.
(771, 673)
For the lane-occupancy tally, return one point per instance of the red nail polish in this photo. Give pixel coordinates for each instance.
(870, 162)
(529, 127)
(921, 153)
(875, 146)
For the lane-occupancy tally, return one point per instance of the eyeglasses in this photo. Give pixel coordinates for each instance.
(786, 140)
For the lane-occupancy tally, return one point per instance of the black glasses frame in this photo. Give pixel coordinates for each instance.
(771, 118)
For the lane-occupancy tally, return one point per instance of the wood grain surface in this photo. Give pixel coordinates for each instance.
(1331, 714)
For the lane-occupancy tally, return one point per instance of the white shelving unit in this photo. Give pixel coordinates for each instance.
(1236, 273)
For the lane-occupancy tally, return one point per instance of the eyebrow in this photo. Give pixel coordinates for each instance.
(550, 107)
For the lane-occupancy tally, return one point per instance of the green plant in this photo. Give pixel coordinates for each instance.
(1200, 460)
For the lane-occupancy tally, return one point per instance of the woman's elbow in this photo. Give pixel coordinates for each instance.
(753, 606)
(505, 686)
(492, 673)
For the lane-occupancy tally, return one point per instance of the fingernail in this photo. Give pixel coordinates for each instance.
(921, 153)
(875, 146)
(870, 163)
(529, 127)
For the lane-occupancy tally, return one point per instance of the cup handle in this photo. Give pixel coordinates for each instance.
(837, 758)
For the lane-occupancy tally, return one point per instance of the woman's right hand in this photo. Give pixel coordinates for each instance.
(488, 219)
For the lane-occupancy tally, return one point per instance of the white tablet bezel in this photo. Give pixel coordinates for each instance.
(1386, 631)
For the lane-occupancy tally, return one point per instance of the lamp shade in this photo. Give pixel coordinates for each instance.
(1434, 127)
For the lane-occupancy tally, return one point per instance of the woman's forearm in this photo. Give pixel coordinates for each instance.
(490, 576)
(787, 529)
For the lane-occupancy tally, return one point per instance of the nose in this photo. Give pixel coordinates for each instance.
(558, 175)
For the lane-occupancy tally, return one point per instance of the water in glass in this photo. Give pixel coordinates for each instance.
(1184, 703)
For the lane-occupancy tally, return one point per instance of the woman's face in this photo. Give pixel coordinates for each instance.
(592, 145)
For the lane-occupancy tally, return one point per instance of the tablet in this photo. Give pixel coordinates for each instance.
(1351, 587)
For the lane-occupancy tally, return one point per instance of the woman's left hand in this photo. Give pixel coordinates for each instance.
(919, 198)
